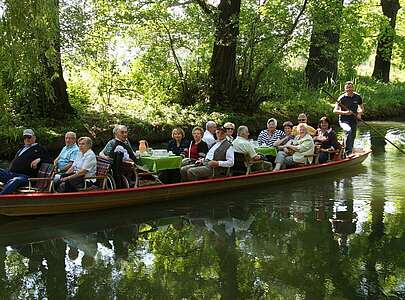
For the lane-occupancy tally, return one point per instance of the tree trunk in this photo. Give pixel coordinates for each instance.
(223, 60)
(62, 107)
(324, 44)
(385, 44)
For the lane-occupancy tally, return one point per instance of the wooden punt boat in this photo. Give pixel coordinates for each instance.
(55, 203)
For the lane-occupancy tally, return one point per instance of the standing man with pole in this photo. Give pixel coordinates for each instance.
(350, 108)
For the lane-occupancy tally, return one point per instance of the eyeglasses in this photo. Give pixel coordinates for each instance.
(302, 120)
(124, 132)
(27, 137)
(228, 128)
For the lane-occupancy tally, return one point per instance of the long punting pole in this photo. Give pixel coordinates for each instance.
(364, 122)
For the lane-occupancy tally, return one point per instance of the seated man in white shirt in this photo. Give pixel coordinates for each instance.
(218, 159)
(208, 136)
(242, 145)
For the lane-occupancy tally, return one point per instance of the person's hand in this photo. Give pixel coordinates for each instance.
(213, 164)
(35, 162)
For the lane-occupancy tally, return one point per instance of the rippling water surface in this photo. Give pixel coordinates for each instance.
(339, 236)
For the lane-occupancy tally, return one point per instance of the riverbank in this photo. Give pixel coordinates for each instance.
(154, 121)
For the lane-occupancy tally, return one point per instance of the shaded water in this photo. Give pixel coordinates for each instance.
(335, 237)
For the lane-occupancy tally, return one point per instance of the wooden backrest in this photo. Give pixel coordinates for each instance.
(46, 170)
(103, 166)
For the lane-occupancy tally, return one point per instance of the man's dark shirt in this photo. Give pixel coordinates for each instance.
(352, 103)
(21, 164)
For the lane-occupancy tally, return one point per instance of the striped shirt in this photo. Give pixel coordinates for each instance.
(266, 139)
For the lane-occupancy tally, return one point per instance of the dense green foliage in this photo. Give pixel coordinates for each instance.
(150, 63)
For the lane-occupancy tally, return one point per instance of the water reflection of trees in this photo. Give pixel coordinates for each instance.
(285, 247)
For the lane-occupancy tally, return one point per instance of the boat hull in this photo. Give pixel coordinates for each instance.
(46, 203)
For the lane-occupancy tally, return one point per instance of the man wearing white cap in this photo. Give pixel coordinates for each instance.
(24, 165)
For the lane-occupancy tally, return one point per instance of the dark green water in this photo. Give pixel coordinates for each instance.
(335, 237)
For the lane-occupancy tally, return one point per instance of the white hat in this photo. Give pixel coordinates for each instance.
(29, 132)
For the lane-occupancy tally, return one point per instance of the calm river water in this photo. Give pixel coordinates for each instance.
(335, 237)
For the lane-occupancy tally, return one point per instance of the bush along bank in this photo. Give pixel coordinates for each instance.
(382, 102)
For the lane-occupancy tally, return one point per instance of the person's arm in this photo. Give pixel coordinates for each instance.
(66, 167)
(360, 110)
(260, 138)
(202, 149)
(43, 156)
(305, 146)
(338, 110)
(280, 141)
(230, 156)
(107, 149)
(56, 160)
(80, 173)
(130, 151)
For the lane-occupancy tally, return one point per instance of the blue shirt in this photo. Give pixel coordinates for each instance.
(67, 155)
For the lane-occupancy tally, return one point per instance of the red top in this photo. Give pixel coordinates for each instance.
(194, 151)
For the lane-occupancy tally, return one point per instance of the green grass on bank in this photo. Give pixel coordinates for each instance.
(154, 121)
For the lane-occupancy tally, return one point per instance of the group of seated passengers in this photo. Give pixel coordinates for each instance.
(205, 156)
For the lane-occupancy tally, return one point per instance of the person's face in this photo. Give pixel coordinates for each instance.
(197, 135)
(245, 134)
(177, 136)
(303, 131)
(229, 131)
(69, 139)
(220, 134)
(324, 125)
(29, 139)
(83, 147)
(212, 128)
(122, 134)
(349, 88)
(302, 119)
(287, 130)
(271, 126)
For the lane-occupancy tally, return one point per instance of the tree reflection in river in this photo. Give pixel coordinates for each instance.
(336, 237)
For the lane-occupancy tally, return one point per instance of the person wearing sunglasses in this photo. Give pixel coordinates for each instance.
(230, 131)
(25, 164)
(302, 119)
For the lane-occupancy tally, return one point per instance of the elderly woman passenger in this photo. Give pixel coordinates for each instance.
(288, 126)
(302, 145)
(178, 143)
(85, 165)
(230, 131)
(197, 149)
(326, 139)
(268, 136)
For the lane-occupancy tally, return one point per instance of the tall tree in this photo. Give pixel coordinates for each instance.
(223, 60)
(324, 44)
(386, 38)
(32, 71)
